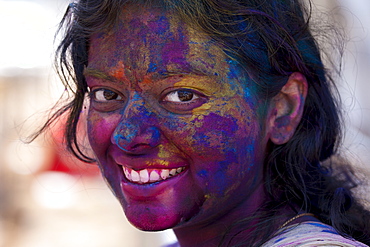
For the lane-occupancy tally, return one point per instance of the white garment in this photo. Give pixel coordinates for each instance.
(310, 234)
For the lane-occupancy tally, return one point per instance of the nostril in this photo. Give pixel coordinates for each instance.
(138, 149)
(134, 139)
(122, 140)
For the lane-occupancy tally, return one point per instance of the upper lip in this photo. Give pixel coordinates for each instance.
(141, 162)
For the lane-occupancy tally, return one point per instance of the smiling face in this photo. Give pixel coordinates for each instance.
(173, 123)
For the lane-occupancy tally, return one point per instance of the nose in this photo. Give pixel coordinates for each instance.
(137, 132)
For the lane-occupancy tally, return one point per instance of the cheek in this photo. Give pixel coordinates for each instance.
(100, 129)
(214, 136)
(225, 133)
(225, 145)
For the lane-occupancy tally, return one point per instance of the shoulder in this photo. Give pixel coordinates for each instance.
(310, 234)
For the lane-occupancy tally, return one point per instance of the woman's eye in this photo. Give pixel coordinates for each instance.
(106, 100)
(104, 95)
(179, 96)
(183, 101)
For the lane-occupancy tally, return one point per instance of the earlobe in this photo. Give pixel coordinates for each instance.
(286, 109)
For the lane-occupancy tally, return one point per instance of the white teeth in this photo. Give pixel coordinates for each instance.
(165, 174)
(150, 175)
(127, 173)
(173, 172)
(144, 176)
(154, 176)
(135, 176)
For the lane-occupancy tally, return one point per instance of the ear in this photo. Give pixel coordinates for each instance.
(286, 109)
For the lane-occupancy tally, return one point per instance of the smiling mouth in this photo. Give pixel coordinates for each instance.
(147, 176)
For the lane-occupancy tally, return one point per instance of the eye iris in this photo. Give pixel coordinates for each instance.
(109, 95)
(185, 95)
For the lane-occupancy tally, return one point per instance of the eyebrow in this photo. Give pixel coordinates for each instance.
(98, 74)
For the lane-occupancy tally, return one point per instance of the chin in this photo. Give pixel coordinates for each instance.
(149, 221)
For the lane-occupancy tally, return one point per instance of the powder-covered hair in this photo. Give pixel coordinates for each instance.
(269, 39)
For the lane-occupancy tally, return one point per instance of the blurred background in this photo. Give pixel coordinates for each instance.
(48, 198)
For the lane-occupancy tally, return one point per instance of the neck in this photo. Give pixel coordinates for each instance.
(213, 233)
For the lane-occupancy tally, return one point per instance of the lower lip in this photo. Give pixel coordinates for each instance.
(144, 191)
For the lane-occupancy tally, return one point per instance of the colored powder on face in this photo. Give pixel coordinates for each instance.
(236, 73)
(157, 162)
(203, 109)
(152, 67)
(126, 133)
(215, 138)
(222, 181)
(201, 140)
(175, 53)
(160, 26)
(119, 71)
(165, 55)
(202, 173)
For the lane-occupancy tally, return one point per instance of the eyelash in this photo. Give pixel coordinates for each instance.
(93, 95)
(185, 93)
(183, 107)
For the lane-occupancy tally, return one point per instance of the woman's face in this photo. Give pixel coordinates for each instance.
(173, 122)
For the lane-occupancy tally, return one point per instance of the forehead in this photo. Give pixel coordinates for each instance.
(151, 40)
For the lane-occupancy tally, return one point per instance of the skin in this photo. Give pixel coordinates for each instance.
(136, 73)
